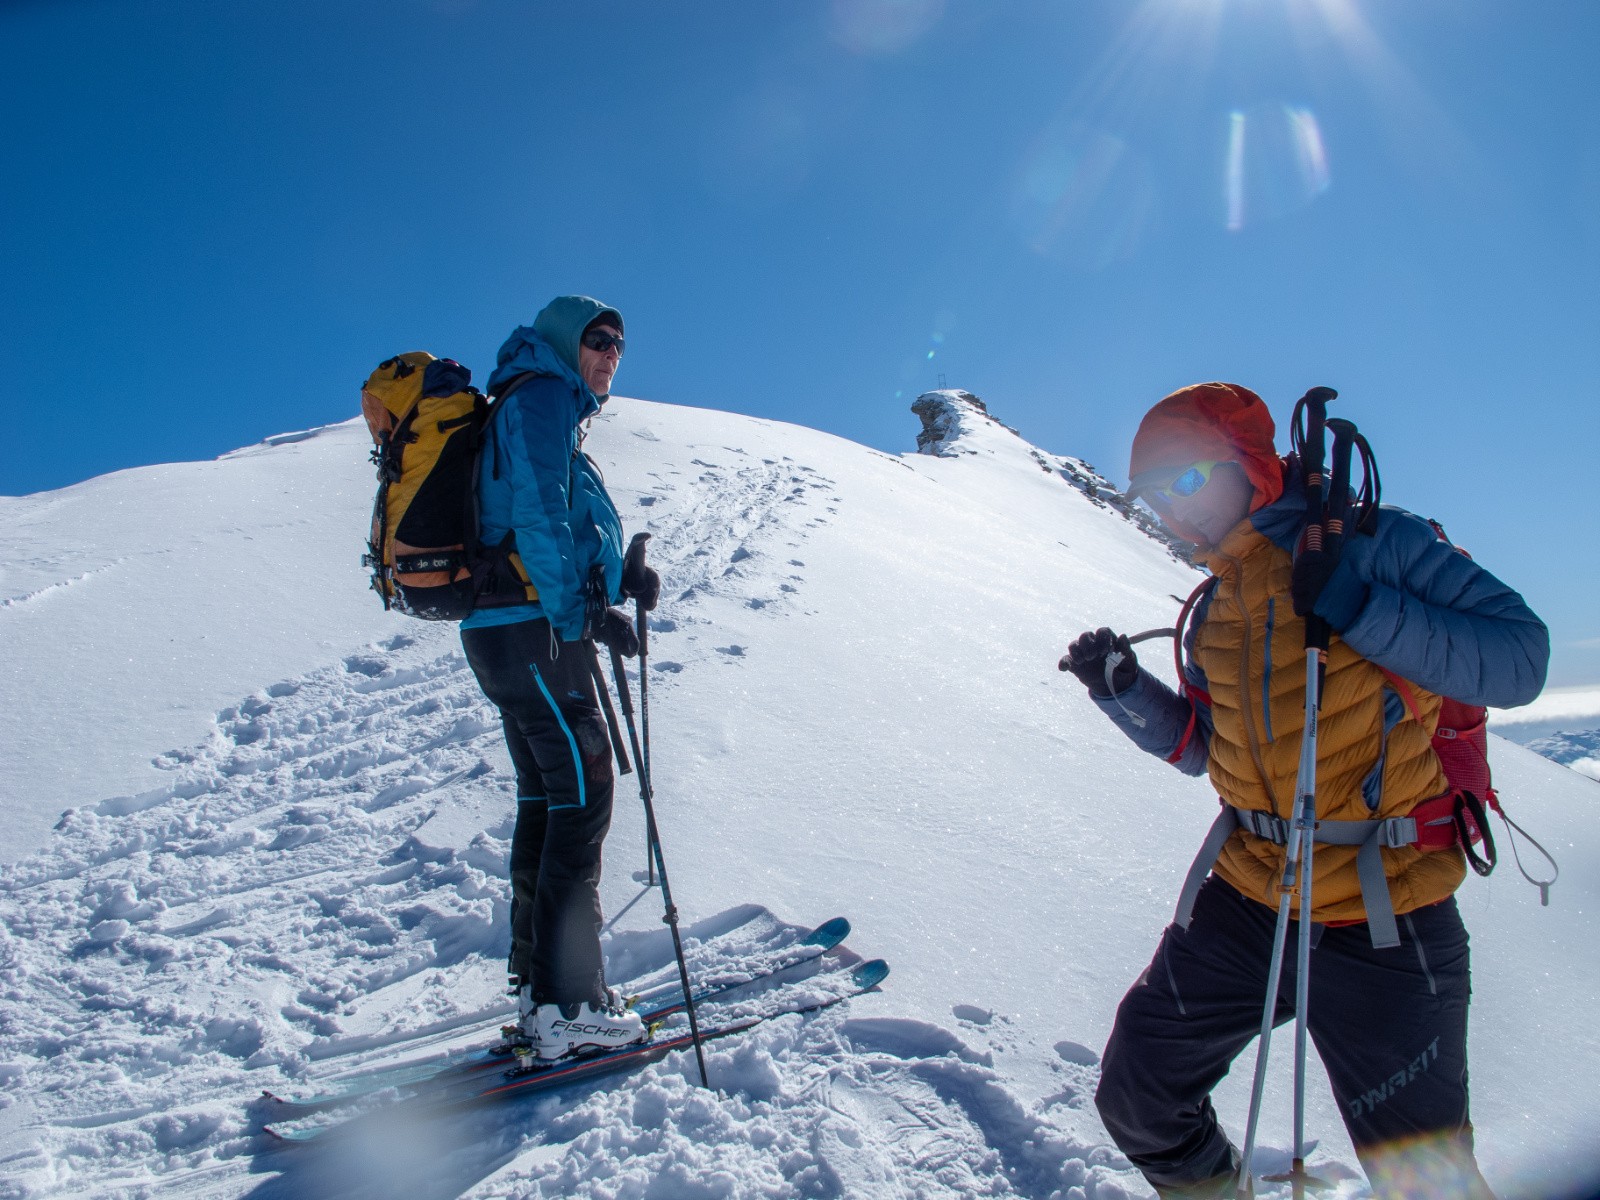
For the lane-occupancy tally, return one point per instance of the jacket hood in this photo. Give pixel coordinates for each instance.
(1219, 421)
(563, 320)
(526, 353)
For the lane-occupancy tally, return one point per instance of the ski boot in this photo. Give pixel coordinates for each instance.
(558, 1030)
(516, 1037)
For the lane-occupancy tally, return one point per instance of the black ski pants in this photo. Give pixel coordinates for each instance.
(1390, 1027)
(556, 734)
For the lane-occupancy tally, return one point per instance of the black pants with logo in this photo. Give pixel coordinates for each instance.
(1390, 1027)
(556, 734)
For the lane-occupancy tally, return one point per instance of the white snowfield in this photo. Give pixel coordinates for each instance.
(289, 812)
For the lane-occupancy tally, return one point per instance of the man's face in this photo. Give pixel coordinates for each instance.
(1213, 511)
(598, 366)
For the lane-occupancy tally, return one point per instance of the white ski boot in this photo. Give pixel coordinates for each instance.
(557, 1030)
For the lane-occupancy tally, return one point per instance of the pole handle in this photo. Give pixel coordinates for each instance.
(633, 569)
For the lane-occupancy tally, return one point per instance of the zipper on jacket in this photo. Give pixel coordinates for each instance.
(1266, 675)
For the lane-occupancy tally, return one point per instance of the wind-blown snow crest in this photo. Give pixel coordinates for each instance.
(854, 709)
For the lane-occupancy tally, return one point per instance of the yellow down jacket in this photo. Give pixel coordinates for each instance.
(1401, 600)
(1251, 648)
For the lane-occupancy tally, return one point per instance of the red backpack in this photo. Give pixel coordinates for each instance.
(1459, 817)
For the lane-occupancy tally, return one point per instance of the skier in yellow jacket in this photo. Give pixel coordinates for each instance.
(1413, 620)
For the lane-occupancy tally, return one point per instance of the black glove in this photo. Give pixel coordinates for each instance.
(642, 584)
(615, 630)
(1310, 574)
(1086, 658)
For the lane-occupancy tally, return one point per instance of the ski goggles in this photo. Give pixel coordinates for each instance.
(1185, 484)
(599, 340)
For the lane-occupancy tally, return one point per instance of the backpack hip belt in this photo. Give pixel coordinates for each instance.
(1436, 824)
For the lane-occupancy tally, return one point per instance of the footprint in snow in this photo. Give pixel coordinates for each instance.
(731, 651)
(671, 667)
(358, 664)
(1077, 1054)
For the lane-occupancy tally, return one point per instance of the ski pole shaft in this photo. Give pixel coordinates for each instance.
(670, 916)
(1334, 521)
(633, 568)
(623, 765)
(1310, 442)
(1264, 1047)
(1306, 825)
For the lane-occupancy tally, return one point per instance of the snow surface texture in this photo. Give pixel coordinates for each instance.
(854, 709)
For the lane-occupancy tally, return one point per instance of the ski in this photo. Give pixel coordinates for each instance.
(814, 945)
(864, 977)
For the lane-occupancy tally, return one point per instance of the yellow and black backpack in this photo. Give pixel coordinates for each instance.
(428, 422)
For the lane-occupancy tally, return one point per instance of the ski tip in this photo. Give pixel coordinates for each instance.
(829, 934)
(292, 1136)
(870, 973)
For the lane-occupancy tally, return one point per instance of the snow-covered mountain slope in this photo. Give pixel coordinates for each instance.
(854, 708)
(1579, 749)
(1563, 725)
(136, 605)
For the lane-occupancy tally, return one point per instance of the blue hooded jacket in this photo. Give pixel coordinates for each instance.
(536, 483)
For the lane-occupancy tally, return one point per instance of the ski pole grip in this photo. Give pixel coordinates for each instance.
(633, 560)
(1337, 516)
(633, 580)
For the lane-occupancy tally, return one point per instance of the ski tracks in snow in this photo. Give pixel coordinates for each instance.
(171, 946)
(327, 871)
(727, 529)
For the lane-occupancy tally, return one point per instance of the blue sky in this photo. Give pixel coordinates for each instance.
(215, 219)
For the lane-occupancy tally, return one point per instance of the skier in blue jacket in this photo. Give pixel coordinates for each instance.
(541, 499)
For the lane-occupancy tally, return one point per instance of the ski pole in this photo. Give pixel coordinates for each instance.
(624, 767)
(633, 563)
(670, 917)
(1318, 634)
(1310, 445)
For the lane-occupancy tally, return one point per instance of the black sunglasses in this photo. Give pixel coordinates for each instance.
(600, 341)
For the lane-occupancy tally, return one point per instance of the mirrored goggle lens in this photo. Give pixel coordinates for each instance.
(1190, 482)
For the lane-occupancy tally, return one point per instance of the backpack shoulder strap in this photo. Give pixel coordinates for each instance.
(511, 385)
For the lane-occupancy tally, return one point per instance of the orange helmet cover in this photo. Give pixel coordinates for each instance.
(1219, 421)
